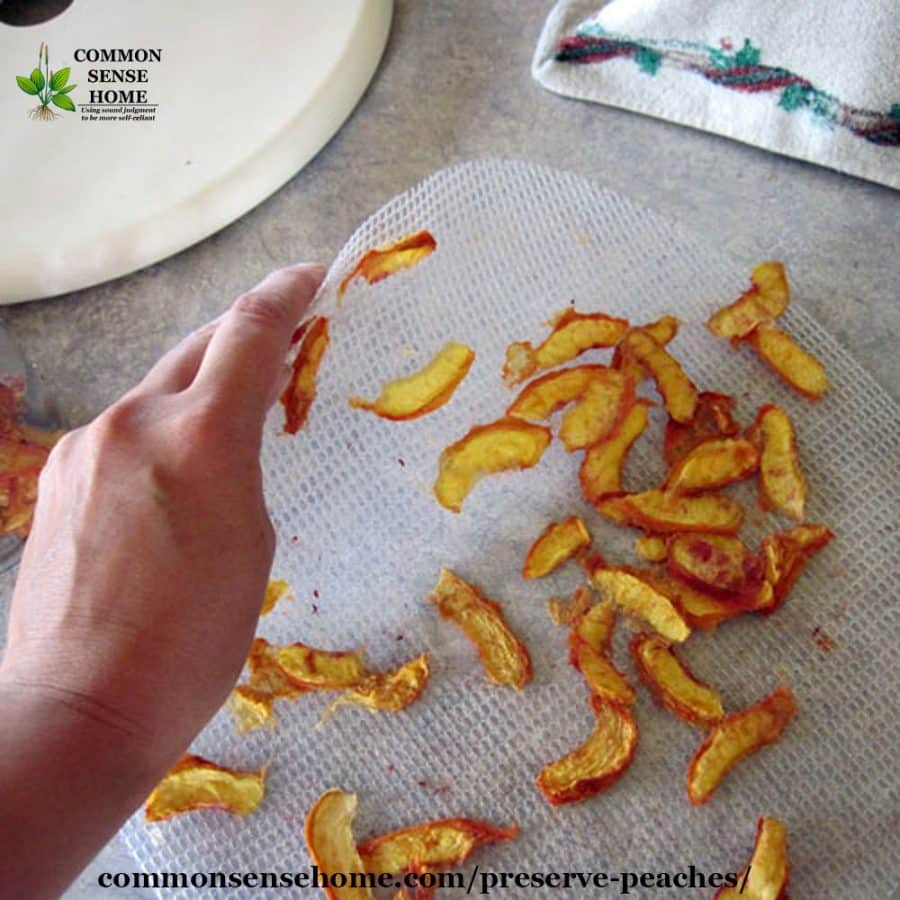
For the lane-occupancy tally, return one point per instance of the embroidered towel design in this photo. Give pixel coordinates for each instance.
(823, 88)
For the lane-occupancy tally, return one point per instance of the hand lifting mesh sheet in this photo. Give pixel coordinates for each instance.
(362, 538)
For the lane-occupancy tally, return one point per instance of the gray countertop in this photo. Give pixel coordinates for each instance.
(455, 85)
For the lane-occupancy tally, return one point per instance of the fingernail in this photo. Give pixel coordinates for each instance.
(314, 270)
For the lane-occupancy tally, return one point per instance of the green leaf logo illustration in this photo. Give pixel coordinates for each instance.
(26, 84)
(48, 86)
(59, 80)
(63, 102)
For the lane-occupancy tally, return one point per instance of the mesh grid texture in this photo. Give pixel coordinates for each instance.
(515, 244)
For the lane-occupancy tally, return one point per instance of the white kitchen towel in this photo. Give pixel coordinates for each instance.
(817, 81)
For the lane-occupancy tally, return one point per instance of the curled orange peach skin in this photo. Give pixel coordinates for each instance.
(767, 874)
(443, 843)
(736, 737)
(196, 783)
(298, 396)
(556, 543)
(376, 265)
(713, 417)
(600, 474)
(487, 450)
(424, 391)
(504, 657)
(635, 595)
(573, 333)
(672, 681)
(712, 464)
(677, 390)
(597, 763)
(329, 837)
(801, 370)
(781, 482)
(659, 511)
(767, 298)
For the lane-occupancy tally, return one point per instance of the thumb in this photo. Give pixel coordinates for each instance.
(243, 364)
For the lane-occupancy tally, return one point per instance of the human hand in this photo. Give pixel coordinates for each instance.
(141, 582)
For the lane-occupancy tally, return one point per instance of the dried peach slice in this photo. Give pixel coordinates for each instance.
(601, 470)
(196, 783)
(673, 682)
(596, 413)
(253, 704)
(519, 363)
(376, 265)
(713, 464)
(786, 554)
(18, 458)
(713, 418)
(251, 708)
(651, 547)
(701, 609)
(736, 737)
(443, 843)
(767, 874)
(391, 691)
(600, 674)
(565, 612)
(573, 333)
(660, 511)
(801, 370)
(598, 762)
(329, 837)
(424, 391)
(298, 396)
(721, 562)
(555, 544)
(276, 589)
(677, 390)
(308, 667)
(486, 450)
(781, 482)
(662, 331)
(266, 674)
(595, 626)
(540, 398)
(637, 597)
(589, 646)
(504, 657)
(766, 299)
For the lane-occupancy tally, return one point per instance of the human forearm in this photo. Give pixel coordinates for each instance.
(69, 778)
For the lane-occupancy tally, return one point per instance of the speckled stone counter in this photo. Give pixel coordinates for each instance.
(454, 85)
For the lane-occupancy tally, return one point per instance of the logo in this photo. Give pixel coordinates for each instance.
(49, 87)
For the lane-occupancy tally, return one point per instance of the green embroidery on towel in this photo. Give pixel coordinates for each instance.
(739, 70)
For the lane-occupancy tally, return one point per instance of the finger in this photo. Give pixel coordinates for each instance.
(242, 365)
(175, 371)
